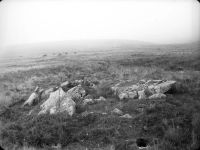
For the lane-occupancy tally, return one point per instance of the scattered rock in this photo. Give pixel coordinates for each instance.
(123, 96)
(101, 98)
(76, 93)
(34, 97)
(92, 101)
(58, 146)
(104, 113)
(126, 116)
(153, 82)
(134, 87)
(58, 101)
(142, 81)
(88, 101)
(77, 82)
(66, 105)
(133, 94)
(86, 113)
(65, 84)
(53, 98)
(117, 111)
(151, 89)
(30, 112)
(88, 96)
(143, 89)
(47, 92)
(142, 95)
(164, 87)
(157, 96)
(70, 84)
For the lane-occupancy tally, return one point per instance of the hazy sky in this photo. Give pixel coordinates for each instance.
(157, 21)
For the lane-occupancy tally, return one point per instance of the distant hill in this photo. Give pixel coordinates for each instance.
(36, 49)
(71, 45)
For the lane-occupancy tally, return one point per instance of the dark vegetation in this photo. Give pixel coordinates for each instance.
(173, 124)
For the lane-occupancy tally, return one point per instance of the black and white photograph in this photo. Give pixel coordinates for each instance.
(99, 75)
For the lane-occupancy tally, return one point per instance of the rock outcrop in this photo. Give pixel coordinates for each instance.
(58, 101)
(76, 93)
(164, 86)
(34, 97)
(153, 89)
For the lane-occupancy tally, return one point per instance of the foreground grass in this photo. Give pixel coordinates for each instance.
(173, 124)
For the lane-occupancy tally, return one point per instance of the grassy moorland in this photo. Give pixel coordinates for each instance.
(170, 125)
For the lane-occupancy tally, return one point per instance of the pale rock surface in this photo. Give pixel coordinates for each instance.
(76, 93)
(88, 96)
(164, 87)
(151, 89)
(67, 105)
(117, 111)
(142, 81)
(77, 82)
(123, 96)
(34, 97)
(142, 95)
(48, 91)
(88, 101)
(143, 89)
(157, 96)
(126, 116)
(58, 101)
(85, 113)
(101, 98)
(153, 82)
(133, 94)
(64, 84)
(53, 99)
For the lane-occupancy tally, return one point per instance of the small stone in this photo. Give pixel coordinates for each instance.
(65, 84)
(88, 101)
(142, 95)
(123, 96)
(117, 111)
(85, 113)
(134, 87)
(157, 96)
(88, 96)
(101, 98)
(126, 116)
(32, 98)
(133, 94)
(142, 81)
